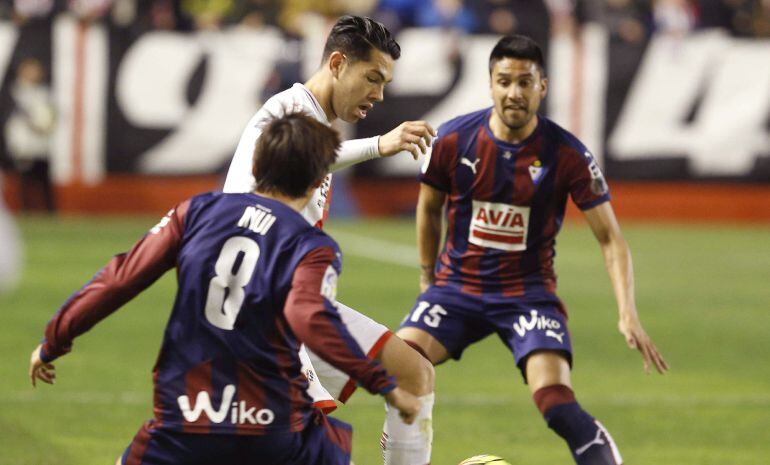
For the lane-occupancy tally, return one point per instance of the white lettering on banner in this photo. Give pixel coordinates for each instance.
(499, 226)
(240, 413)
(732, 78)
(8, 37)
(80, 60)
(238, 64)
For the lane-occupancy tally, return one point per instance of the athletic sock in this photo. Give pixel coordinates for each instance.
(589, 441)
(404, 444)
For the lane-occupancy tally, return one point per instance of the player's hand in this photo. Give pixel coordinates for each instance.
(38, 369)
(405, 402)
(637, 338)
(412, 136)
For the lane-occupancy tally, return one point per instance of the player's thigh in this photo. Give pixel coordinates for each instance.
(539, 339)
(411, 370)
(444, 321)
(433, 349)
(371, 337)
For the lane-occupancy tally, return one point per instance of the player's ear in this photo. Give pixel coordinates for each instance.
(336, 61)
(543, 87)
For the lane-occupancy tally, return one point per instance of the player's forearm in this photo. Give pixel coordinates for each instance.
(355, 151)
(617, 260)
(428, 236)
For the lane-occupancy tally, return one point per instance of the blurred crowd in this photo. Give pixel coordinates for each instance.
(630, 20)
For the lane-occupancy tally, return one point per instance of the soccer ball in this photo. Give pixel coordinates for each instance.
(484, 459)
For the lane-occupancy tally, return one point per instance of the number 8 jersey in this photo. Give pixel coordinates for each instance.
(255, 279)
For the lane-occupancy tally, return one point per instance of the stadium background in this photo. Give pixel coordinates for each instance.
(672, 96)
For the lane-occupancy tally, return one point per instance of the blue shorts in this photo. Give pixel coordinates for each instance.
(324, 441)
(458, 319)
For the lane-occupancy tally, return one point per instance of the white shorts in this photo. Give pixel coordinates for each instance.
(327, 383)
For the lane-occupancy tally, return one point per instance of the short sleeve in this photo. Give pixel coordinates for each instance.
(587, 185)
(437, 169)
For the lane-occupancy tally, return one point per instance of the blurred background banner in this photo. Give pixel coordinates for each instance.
(669, 90)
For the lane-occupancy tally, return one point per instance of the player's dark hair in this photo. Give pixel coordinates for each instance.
(355, 36)
(519, 47)
(293, 153)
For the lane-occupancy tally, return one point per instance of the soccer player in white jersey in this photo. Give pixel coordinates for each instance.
(357, 62)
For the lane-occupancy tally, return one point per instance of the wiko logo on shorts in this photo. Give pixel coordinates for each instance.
(540, 322)
(238, 413)
(499, 226)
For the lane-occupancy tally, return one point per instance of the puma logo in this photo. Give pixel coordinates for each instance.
(557, 336)
(472, 166)
(597, 441)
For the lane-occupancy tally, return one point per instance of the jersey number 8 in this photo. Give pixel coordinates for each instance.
(225, 294)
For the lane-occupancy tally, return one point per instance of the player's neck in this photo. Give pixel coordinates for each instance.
(296, 204)
(320, 85)
(508, 134)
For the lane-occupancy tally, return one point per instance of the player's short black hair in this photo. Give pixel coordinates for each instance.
(293, 153)
(355, 36)
(519, 47)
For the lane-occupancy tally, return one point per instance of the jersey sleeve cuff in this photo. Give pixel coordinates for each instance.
(594, 203)
(426, 180)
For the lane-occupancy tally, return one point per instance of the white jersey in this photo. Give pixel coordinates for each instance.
(325, 383)
(295, 99)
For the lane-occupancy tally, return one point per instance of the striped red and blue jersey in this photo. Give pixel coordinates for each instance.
(505, 204)
(255, 280)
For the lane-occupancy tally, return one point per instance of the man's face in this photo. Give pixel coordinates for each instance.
(517, 88)
(360, 84)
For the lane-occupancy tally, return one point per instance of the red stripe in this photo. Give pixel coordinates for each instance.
(326, 406)
(78, 96)
(486, 152)
(250, 391)
(350, 386)
(139, 445)
(342, 437)
(196, 380)
(296, 385)
(498, 237)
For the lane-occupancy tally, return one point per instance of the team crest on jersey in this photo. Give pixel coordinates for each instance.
(598, 184)
(329, 285)
(536, 171)
(499, 226)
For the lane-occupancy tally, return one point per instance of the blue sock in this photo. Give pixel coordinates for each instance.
(588, 440)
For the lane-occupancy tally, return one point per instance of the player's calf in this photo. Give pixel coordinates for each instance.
(589, 442)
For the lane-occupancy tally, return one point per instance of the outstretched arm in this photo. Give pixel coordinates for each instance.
(411, 136)
(617, 260)
(125, 276)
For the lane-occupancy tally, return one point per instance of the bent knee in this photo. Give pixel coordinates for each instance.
(416, 375)
(413, 372)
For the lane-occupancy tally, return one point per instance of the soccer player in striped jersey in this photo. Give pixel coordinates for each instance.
(357, 63)
(504, 174)
(255, 280)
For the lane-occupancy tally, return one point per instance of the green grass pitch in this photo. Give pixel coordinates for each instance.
(703, 292)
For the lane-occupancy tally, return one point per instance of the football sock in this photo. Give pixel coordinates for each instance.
(589, 442)
(404, 444)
